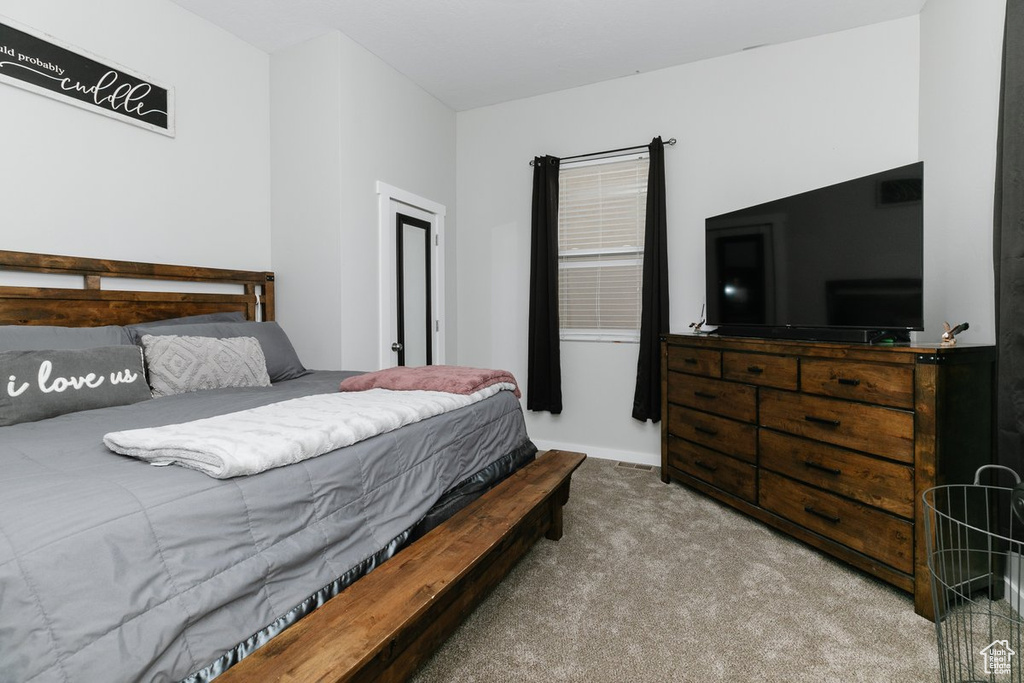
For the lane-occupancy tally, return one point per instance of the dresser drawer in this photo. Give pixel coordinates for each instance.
(873, 429)
(889, 385)
(758, 368)
(721, 433)
(879, 483)
(695, 361)
(721, 471)
(738, 401)
(866, 530)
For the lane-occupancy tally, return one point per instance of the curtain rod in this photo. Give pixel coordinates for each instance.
(670, 141)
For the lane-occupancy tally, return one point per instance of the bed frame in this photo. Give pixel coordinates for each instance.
(94, 304)
(386, 624)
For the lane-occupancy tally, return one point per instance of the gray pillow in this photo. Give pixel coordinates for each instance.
(136, 331)
(42, 384)
(47, 337)
(179, 364)
(282, 361)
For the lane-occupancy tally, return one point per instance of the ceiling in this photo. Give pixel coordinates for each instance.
(472, 53)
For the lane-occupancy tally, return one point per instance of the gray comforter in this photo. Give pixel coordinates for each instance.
(114, 570)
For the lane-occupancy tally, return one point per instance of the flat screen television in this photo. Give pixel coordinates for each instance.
(842, 263)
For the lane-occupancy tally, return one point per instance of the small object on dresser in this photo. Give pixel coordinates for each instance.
(949, 335)
(700, 323)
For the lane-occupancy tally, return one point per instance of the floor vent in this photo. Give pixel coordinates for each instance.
(634, 466)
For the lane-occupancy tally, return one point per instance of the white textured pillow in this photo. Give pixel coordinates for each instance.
(177, 365)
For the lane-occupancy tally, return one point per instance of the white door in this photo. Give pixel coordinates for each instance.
(414, 314)
(412, 279)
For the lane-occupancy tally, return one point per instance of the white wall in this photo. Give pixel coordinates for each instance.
(751, 127)
(306, 161)
(373, 125)
(961, 56)
(78, 183)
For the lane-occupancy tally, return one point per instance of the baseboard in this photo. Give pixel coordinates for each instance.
(602, 453)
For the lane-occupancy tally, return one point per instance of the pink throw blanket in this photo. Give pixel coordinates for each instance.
(453, 379)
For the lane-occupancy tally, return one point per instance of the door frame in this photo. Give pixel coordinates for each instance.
(390, 202)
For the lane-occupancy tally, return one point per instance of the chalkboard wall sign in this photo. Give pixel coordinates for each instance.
(39, 63)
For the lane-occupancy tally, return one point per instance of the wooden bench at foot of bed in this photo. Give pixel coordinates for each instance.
(389, 622)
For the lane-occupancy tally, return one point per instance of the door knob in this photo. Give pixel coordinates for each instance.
(396, 347)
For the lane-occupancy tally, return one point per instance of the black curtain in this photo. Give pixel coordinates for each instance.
(654, 313)
(1008, 242)
(544, 369)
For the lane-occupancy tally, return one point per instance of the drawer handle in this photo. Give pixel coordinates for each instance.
(824, 515)
(704, 466)
(818, 466)
(822, 421)
(704, 394)
(753, 369)
(690, 361)
(706, 430)
(849, 382)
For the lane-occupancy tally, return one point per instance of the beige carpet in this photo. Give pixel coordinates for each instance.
(656, 582)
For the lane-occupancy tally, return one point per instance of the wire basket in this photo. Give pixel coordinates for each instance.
(976, 578)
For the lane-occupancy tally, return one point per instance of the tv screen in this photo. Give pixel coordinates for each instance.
(848, 256)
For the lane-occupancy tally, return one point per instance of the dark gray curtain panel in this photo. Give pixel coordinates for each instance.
(1008, 243)
(544, 368)
(654, 314)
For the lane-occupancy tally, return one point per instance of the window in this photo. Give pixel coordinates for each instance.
(602, 208)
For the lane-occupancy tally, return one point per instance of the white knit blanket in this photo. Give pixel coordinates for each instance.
(259, 439)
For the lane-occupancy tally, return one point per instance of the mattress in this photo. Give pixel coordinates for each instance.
(115, 570)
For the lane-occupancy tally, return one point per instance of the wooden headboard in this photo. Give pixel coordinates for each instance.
(98, 302)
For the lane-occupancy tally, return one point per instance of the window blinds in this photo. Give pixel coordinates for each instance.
(601, 216)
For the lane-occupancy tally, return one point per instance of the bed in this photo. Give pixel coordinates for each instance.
(112, 569)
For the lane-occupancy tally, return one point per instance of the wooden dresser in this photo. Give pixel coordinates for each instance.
(830, 443)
